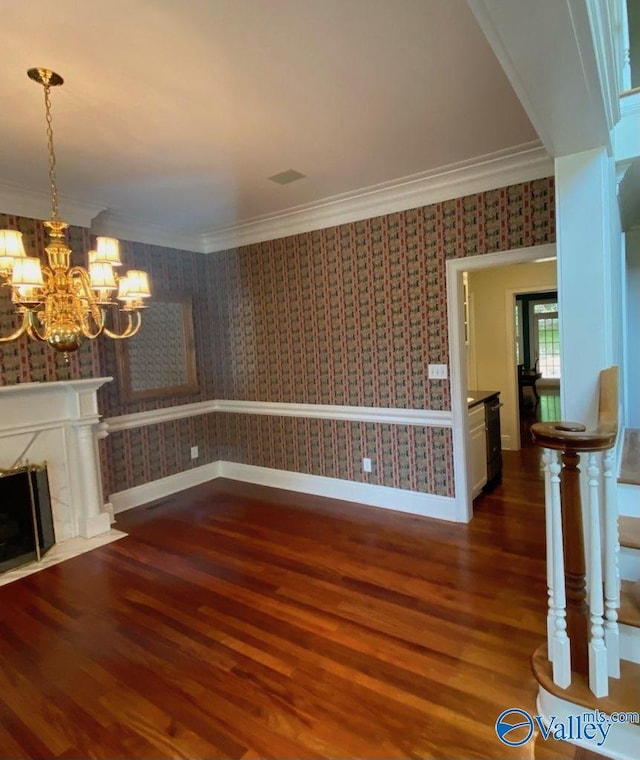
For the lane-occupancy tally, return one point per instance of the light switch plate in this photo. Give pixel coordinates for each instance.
(438, 372)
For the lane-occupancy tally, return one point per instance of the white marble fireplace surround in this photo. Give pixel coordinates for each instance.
(57, 423)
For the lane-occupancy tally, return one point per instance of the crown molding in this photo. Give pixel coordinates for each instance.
(36, 204)
(116, 225)
(526, 162)
(489, 172)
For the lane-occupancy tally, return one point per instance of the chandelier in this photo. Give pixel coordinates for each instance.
(62, 304)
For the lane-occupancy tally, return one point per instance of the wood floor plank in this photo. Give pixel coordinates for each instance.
(243, 622)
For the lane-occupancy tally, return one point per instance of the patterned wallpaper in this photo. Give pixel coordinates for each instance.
(353, 314)
(347, 315)
(412, 457)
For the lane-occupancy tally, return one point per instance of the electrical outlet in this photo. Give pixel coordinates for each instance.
(437, 372)
(366, 464)
(194, 452)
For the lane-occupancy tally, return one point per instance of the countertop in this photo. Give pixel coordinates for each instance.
(479, 397)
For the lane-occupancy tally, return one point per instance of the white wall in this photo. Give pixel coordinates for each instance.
(492, 348)
(632, 331)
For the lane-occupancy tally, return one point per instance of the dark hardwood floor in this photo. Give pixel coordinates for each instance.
(237, 621)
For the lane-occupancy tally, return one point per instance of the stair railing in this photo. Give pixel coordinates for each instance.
(583, 588)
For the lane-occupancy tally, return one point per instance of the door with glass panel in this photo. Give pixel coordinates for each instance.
(546, 338)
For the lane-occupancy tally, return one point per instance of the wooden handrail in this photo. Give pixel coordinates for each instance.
(574, 436)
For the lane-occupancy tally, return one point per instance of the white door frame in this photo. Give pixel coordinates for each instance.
(458, 367)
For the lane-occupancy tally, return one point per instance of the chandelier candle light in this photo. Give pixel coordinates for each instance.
(61, 304)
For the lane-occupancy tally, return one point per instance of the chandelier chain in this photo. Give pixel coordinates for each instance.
(52, 154)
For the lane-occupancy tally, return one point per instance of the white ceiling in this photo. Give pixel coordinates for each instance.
(175, 112)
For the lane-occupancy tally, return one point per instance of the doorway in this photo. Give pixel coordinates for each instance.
(457, 308)
(537, 331)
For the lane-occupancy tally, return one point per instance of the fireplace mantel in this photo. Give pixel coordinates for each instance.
(56, 423)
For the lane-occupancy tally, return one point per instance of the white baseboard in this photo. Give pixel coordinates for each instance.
(158, 489)
(427, 505)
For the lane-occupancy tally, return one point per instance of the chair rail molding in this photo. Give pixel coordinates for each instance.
(426, 417)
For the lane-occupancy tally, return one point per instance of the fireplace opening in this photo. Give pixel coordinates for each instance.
(26, 520)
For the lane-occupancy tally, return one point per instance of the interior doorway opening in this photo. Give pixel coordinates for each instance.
(483, 353)
(537, 347)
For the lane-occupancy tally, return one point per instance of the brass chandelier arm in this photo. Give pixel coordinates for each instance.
(20, 331)
(130, 330)
(32, 327)
(86, 328)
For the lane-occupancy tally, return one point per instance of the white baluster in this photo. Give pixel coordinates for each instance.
(548, 517)
(611, 570)
(598, 668)
(561, 646)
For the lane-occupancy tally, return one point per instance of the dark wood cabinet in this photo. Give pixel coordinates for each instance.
(492, 408)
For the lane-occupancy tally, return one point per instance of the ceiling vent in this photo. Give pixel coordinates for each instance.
(286, 177)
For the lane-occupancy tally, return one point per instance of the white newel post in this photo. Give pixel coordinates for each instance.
(598, 668)
(58, 423)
